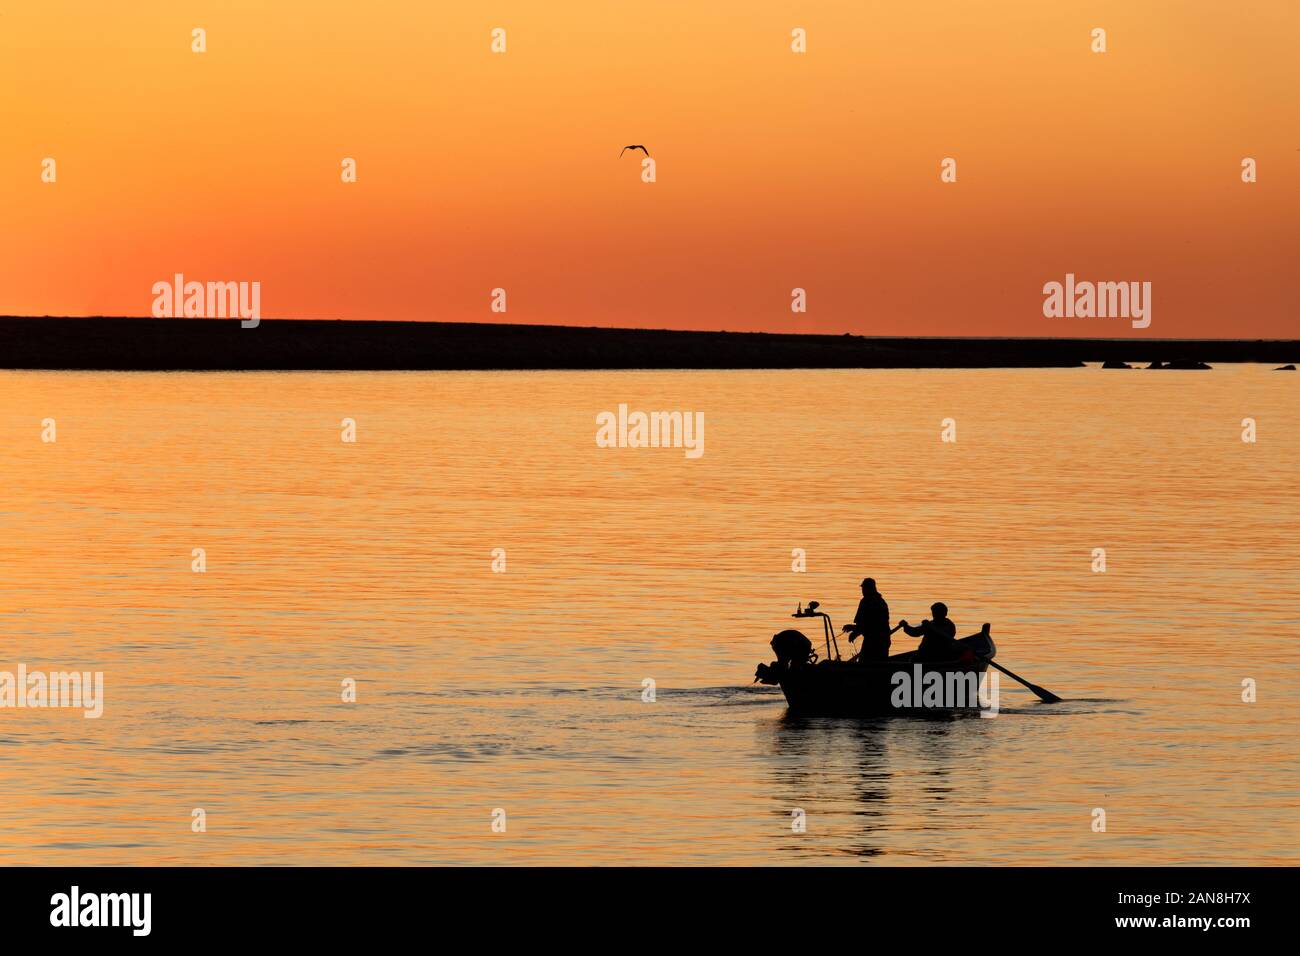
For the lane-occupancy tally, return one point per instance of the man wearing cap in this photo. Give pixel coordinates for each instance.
(871, 624)
(938, 635)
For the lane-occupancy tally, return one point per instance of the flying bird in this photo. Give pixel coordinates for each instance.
(638, 146)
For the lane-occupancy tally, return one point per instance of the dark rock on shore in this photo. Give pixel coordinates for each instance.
(146, 344)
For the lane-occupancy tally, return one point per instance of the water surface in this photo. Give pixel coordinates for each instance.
(522, 690)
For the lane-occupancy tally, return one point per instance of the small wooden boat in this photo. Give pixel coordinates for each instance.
(900, 684)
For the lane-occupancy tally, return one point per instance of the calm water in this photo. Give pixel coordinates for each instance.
(523, 690)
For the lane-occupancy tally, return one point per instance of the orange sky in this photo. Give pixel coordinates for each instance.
(775, 170)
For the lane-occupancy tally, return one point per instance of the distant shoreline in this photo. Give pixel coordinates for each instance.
(147, 344)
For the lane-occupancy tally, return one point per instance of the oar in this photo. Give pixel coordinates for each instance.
(1046, 696)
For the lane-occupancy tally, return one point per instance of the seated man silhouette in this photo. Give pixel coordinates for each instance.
(871, 624)
(938, 636)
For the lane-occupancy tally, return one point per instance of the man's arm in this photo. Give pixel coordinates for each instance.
(856, 628)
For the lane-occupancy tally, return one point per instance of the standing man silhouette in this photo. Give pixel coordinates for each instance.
(871, 624)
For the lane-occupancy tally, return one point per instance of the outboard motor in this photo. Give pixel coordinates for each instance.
(792, 649)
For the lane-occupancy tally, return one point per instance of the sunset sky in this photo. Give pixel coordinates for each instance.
(775, 170)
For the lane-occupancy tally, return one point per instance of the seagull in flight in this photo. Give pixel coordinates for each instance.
(638, 146)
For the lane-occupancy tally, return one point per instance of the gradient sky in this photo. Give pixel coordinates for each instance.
(775, 170)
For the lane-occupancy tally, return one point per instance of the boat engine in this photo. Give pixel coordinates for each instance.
(792, 649)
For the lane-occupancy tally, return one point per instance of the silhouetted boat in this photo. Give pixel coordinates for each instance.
(900, 684)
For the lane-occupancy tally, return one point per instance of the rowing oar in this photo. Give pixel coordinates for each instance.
(1046, 696)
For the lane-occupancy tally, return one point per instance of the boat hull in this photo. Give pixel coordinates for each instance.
(899, 685)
